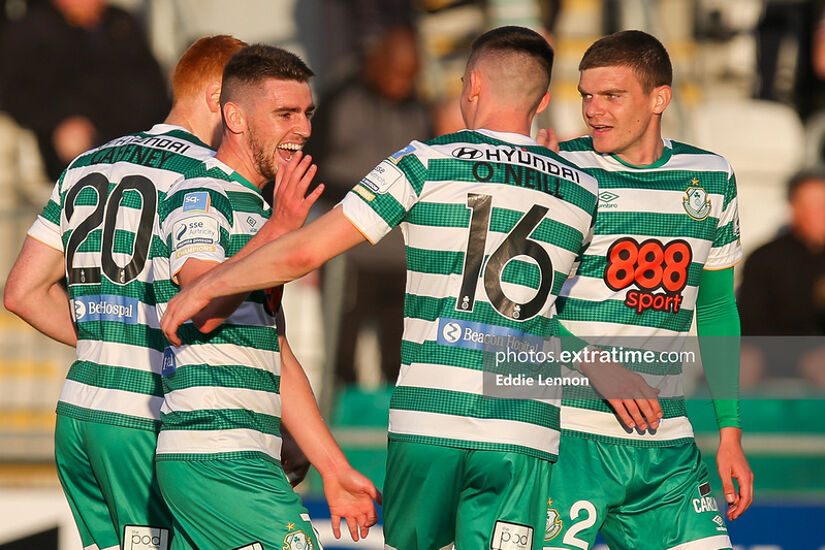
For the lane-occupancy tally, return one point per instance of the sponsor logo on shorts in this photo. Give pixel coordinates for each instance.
(106, 307)
(511, 536)
(479, 336)
(720, 523)
(297, 540)
(197, 201)
(705, 502)
(554, 524)
(143, 537)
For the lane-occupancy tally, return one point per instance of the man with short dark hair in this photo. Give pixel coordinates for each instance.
(666, 240)
(234, 381)
(493, 224)
(95, 234)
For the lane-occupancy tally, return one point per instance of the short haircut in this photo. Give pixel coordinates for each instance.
(635, 49)
(816, 173)
(202, 63)
(512, 39)
(256, 63)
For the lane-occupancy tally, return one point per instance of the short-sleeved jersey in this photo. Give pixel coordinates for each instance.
(221, 390)
(492, 224)
(657, 228)
(101, 216)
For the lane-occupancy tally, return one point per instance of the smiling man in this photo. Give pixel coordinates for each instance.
(234, 381)
(665, 242)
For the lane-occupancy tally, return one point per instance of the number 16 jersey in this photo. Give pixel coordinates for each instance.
(493, 224)
(101, 215)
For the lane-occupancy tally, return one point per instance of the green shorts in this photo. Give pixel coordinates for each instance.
(435, 496)
(108, 475)
(642, 498)
(243, 504)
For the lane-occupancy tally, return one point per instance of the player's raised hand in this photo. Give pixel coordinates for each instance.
(732, 464)
(351, 496)
(290, 202)
(635, 402)
(182, 307)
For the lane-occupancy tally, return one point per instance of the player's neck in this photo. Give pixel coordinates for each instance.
(179, 116)
(644, 151)
(237, 156)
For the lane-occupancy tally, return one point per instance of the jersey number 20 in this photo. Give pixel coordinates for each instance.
(106, 213)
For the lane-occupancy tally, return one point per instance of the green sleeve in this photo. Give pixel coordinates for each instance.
(717, 323)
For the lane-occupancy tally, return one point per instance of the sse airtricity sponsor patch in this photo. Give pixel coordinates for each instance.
(479, 336)
(195, 230)
(197, 201)
(382, 177)
(106, 307)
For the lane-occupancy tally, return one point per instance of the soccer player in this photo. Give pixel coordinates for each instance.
(84, 278)
(493, 224)
(666, 240)
(234, 381)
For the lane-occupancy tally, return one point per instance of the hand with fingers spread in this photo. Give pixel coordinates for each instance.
(290, 202)
(732, 464)
(636, 403)
(351, 496)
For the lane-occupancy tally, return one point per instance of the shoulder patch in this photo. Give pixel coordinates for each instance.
(382, 177)
(197, 201)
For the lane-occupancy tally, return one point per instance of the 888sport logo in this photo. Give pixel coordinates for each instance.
(658, 271)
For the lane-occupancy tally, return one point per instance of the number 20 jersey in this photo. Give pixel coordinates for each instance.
(657, 228)
(101, 215)
(493, 224)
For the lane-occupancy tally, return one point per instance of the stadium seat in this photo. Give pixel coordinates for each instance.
(764, 142)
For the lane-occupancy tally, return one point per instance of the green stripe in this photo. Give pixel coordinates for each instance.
(414, 171)
(473, 445)
(116, 378)
(615, 311)
(474, 406)
(173, 162)
(225, 376)
(106, 417)
(51, 212)
(655, 225)
(385, 206)
(244, 201)
(231, 455)
(122, 333)
(221, 419)
(261, 338)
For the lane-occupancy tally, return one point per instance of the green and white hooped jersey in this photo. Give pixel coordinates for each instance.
(101, 216)
(658, 227)
(493, 224)
(221, 390)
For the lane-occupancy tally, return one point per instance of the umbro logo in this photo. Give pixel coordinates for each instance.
(466, 153)
(607, 196)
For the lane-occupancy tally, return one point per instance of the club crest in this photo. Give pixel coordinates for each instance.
(696, 201)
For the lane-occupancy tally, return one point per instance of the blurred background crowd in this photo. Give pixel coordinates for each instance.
(749, 84)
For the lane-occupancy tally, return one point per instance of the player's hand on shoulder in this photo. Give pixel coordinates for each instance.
(351, 496)
(546, 137)
(290, 202)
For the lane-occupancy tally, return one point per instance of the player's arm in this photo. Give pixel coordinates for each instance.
(33, 291)
(349, 494)
(283, 260)
(717, 323)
